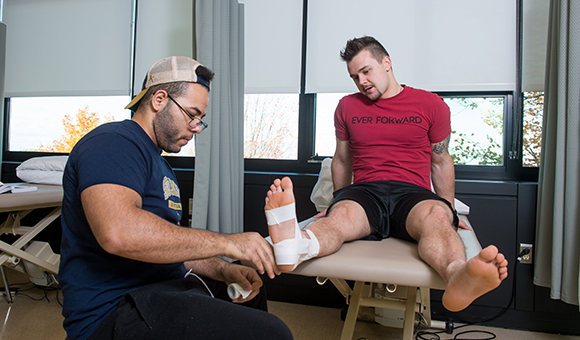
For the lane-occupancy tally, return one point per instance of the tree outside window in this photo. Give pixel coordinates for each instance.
(533, 115)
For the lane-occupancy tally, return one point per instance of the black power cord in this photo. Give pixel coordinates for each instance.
(19, 289)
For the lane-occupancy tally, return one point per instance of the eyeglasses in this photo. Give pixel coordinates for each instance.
(199, 122)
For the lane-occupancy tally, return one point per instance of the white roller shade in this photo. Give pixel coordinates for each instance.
(164, 29)
(443, 45)
(67, 47)
(273, 46)
(535, 41)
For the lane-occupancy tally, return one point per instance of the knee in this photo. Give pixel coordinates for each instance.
(274, 328)
(348, 221)
(429, 216)
(346, 212)
(338, 211)
(439, 212)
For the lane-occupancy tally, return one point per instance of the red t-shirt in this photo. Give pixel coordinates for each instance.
(390, 139)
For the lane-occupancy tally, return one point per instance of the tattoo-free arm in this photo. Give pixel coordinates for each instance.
(123, 228)
(220, 270)
(341, 165)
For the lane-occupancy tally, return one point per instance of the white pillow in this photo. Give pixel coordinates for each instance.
(42, 170)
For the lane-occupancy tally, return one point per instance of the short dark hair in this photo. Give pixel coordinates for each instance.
(177, 88)
(205, 73)
(356, 45)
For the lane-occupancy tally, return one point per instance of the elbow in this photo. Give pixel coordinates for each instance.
(113, 243)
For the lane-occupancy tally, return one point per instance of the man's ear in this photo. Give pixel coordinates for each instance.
(387, 63)
(159, 100)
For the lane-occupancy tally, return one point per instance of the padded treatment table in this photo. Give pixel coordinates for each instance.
(18, 206)
(391, 261)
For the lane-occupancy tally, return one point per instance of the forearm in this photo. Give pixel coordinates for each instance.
(443, 177)
(148, 238)
(212, 268)
(341, 175)
(124, 229)
(341, 165)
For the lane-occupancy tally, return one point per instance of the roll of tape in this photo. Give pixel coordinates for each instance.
(235, 291)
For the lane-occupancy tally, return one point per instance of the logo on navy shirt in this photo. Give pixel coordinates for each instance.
(170, 189)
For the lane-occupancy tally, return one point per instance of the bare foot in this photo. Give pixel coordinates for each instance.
(478, 276)
(281, 194)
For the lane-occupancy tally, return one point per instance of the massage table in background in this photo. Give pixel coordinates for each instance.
(387, 274)
(24, 248)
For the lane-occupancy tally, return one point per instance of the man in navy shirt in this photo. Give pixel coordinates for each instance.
(124, 258)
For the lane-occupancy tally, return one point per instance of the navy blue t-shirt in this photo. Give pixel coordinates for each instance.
(93, 280)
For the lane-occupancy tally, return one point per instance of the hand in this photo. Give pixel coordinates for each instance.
(321, 214)
(463, 225)
(246, 277)
(254, 248)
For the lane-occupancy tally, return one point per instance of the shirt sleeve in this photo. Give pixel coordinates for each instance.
(441, 121)
(110, 158)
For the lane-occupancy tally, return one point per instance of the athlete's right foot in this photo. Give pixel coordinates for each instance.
(291, 245)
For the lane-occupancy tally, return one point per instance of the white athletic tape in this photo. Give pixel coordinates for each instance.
(290, 251)
(281, 214)
(235, 291)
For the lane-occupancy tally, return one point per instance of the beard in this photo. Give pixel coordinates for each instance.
(373, 96)
(166, 132)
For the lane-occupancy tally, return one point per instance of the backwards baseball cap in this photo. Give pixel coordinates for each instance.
(169, 70)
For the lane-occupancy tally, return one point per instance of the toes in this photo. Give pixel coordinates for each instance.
(489, 253)
(286, 183)
(500, 258)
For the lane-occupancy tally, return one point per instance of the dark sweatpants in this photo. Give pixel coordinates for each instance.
(184, 309)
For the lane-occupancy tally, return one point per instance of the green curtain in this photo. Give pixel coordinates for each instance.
(218, 190)
(557, 260)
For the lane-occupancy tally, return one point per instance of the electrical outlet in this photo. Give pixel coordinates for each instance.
(525, 254)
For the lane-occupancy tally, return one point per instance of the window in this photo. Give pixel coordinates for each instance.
(55, 124)
(271, 126)
(477, 125)
(325, 139)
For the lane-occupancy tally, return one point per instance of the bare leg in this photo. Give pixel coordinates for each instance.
(346, 222)
(440, 246)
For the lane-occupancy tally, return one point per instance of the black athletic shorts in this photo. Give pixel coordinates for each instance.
(387, 205)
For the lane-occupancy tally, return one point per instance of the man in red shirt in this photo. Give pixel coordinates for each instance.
(391, 143)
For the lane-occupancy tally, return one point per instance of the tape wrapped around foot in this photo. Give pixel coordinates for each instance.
(290, 251)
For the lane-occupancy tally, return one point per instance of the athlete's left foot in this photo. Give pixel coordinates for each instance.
(479, 275)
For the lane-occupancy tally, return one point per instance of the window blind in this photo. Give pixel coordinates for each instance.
(444, 45)
(535, 42)
(273, 46)
(164, 29)
(67, 47)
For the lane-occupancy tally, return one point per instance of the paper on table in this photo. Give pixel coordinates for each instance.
(16, 188)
